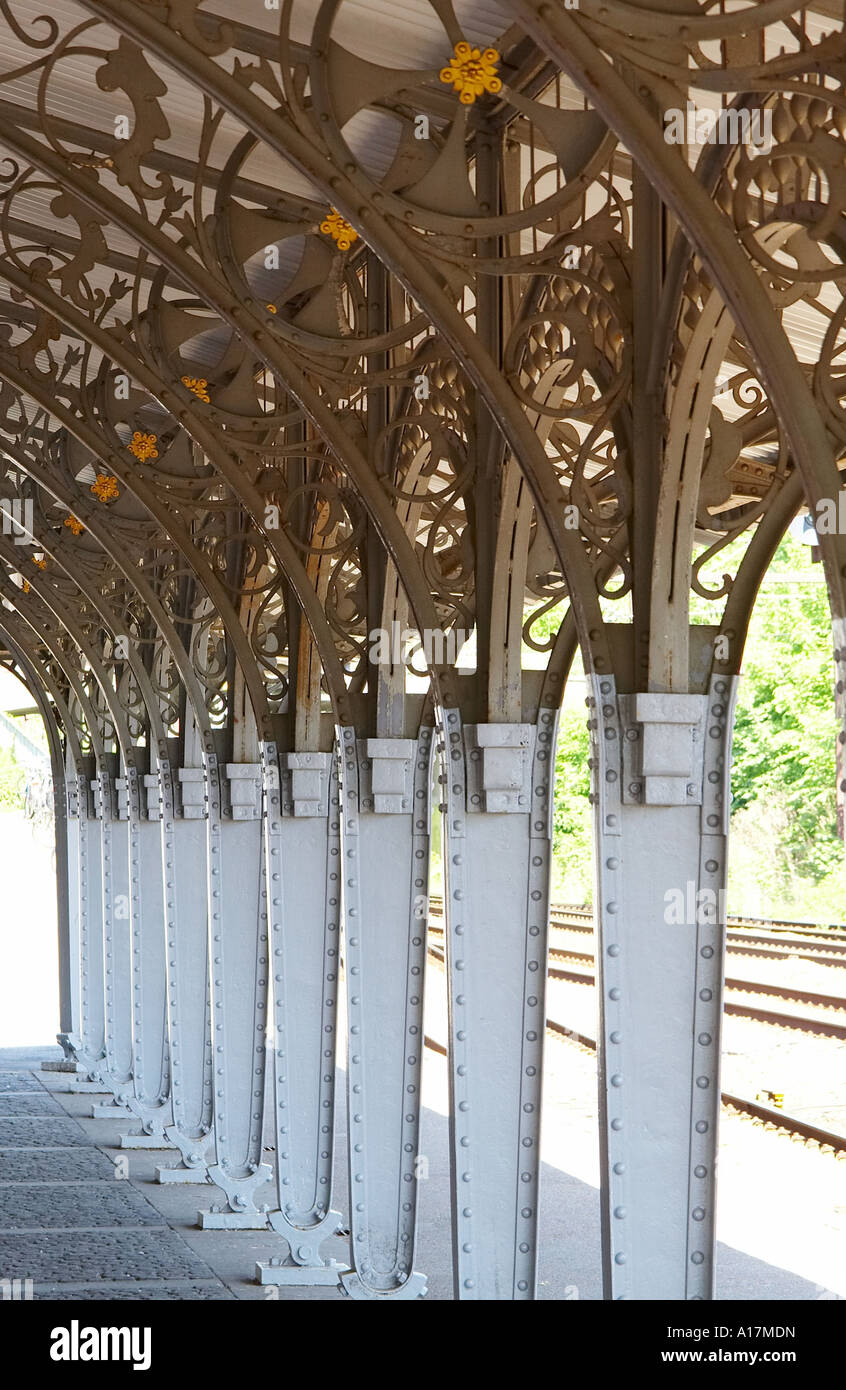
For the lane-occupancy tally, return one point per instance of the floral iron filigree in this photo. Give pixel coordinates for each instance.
(472, 72)
(337, 227)
(199, 386)
(105, 487)
(143, 446)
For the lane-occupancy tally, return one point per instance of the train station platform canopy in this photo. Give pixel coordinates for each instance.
(335, 336)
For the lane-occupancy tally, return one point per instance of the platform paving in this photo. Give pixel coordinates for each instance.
(70, 1228)
(78, 1231)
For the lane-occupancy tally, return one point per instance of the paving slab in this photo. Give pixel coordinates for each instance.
(40, 1132)
(73, 1165)
(13, 1082)
(74, 1206)
(89, 1257)
(182, 1291)
(23, 1103)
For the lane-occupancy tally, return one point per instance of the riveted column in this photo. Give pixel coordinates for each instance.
(181, 806)
(238, 950)
(497, 782)
(661, 793)
(385, 833)
(90, 1045)
(71, 858)
(149, 1100)
(303, 834)
(117, 954)
(65, 957)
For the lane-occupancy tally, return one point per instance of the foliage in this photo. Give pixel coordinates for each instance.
(12, 781)
(786, 859)
(785, 854)
(572, 819)
(784, 814)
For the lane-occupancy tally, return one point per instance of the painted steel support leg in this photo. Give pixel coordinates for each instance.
(497, 781)
(89, 1046)
(65, 958)
(239, 963)
(661, 779)
(70, 824)
(303, 834)
(149, 1099)
(185, 844)
(385, 833)
(116, 1069)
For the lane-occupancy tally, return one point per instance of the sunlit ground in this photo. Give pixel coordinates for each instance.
(29, 990)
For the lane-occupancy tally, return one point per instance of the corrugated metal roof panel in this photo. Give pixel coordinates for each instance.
(395, 33)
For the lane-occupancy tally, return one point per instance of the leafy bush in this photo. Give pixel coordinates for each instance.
(12, 781)
(572, 865)
(786, 858)
(783, 766)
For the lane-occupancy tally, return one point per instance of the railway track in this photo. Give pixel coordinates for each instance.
(777, 1119)
(735, 1007)
(826, 932)
(780, 936)
(775, 946)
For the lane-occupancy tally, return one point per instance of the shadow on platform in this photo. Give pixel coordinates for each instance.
(67, 1225)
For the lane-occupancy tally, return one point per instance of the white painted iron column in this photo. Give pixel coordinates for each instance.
(90, 1046)
(183, 841)
(150, 1098)
(72, 1038)
(238, 951)
(385, 856)
(303, 828)
(497, 781)
(661, 779)
(116, 1069)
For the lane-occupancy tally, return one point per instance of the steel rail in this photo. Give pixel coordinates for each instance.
(778, 1118)
(735, 1008)
(562, 915)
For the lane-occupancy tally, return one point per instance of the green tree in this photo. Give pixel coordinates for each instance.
(12, 781)
(783, 766)
(785, 855)
(572, 874)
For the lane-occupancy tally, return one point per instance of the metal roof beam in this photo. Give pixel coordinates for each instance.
(101, 142)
